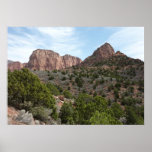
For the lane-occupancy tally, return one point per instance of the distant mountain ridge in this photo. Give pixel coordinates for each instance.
(46, 60)
(43, 60)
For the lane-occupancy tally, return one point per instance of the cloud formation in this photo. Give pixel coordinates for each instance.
(76, 41)
(59, 39)
(129, 40)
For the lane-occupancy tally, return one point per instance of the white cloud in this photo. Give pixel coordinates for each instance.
(59, 39)
(57, 32)
(63, 40)
(129, 40)
(21, 54)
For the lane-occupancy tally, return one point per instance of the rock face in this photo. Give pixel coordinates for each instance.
(50, 60)
(69, 61)
(103, 52)
(19, 117)
(15, 65)
(45, 60)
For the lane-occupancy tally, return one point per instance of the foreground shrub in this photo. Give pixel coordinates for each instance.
(53, 89)
(40, 113)
(66, 114)
(67, 94)
(117, 110)
(24, 86)
(103, 118)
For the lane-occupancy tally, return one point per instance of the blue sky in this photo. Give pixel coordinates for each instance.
(76, 41)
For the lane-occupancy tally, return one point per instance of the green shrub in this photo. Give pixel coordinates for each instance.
(53, 89)
(64, 78)
(24, 86)
(79, 81)
(55, 71)
(66, 114)
(40, 113)
(103, 118)
(129, 101)
(51, 77)
(67, 94)
(117, 110)
(63, 72)
(133, 117)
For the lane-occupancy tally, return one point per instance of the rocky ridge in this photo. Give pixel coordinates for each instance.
(46, 60)
(50, 60)
(104, 52)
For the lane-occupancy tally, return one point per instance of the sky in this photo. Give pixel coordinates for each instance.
(76, 41)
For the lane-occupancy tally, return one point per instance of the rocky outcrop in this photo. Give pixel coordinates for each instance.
(118, 53)
(45, 60)
(69, 61)
(50, 60)
(19, 117)
(103, 52)
(15, 65)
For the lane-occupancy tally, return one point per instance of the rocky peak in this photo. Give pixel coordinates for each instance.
(104, 51)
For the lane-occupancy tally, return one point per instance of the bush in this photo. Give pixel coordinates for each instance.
(86, 106)
(103, 118)
(55, 71)
(116, 93)
(129, 101)
(118, 85)
(79, 81)
(117, 110)
(40, 113)
(25, 86)
(53, 89)
(66, 114)
(67, 94)
(51, 77)
(63, 72)
(54, 114)
(132, 117)
(131, 89)
(64, 78)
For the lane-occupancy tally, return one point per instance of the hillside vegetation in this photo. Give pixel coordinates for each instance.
(90, 96)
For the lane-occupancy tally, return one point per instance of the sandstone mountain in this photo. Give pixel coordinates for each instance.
(50, 60)
(103, 52)
(15, 65)
(46, 60)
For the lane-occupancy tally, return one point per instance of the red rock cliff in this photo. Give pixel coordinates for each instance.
(50, 60)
